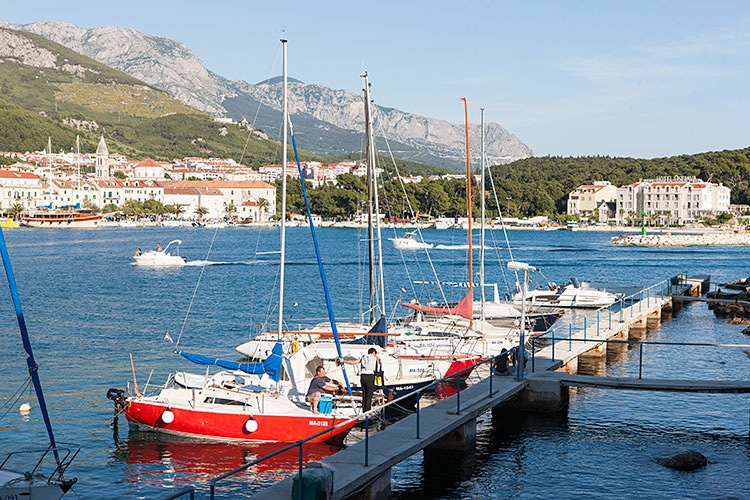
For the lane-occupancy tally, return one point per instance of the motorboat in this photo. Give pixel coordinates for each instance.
(409, 242)
(571, 295)
(444, 223)
(9, 223)
(161, 258)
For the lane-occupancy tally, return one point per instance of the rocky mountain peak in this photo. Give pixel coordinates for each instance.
(337, 114)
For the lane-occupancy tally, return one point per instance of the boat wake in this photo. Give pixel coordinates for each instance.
(464, 247)
(221, 263)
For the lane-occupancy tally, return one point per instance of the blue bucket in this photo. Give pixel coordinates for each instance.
(326, 403)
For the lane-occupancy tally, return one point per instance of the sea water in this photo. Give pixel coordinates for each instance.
(88, 309)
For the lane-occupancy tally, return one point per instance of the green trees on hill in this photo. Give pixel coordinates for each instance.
(533, 186)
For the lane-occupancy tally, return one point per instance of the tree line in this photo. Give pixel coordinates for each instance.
(524, 188)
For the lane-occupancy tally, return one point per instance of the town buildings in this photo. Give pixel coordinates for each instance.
(591, 199)
(671, 200)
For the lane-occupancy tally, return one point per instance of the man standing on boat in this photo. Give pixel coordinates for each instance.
(368, 364)
(319, 384)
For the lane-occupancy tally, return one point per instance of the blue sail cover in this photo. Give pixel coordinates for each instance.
(271, 366)
(378, 340)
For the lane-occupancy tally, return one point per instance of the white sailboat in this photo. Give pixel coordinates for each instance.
(243, 403)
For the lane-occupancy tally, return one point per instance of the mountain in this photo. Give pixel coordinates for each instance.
(47, 89)
(328, 121)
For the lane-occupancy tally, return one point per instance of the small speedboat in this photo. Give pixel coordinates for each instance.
(572, 295)
(161, 258)
(408, 242)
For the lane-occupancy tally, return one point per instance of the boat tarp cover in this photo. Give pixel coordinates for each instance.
(271, 366)
(379, 340)
(463, 308)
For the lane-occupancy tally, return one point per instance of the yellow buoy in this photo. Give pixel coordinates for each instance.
(24, 408)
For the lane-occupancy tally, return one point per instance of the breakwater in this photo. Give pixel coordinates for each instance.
(682, 240)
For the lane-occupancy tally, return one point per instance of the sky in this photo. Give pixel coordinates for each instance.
(619, 78)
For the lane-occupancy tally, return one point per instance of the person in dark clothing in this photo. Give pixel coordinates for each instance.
(502, 364)
(369, 363)
(320, 384)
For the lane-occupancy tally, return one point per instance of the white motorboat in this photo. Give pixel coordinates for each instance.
(161, 258)
(572, 295)
(409, 242)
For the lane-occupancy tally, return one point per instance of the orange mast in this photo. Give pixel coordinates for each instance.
(468, 202)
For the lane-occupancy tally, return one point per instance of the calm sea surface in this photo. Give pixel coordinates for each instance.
(88, 308)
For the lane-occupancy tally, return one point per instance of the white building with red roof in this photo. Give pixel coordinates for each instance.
(586, 199)
(672, 200)
(237, 193)
(150, 169)
(189, 198)
(22, 188)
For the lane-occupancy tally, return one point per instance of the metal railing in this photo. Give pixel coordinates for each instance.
(641, 343)
(67, 455)
(299, 444)
(188, 490)
(625, 308)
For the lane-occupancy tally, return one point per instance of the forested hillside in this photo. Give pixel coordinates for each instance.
(533, 186)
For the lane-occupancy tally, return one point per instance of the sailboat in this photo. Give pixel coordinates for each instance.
(242, 402)
(33, 483)
(70, 217)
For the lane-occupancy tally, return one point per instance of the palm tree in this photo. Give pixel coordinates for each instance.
(201, 211)
(16, 210)
(230, 209)
(263, 204)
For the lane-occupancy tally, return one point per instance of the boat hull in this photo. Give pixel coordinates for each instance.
(231, 426)
(72, 222)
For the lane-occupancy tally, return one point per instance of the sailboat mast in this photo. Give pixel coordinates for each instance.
(370, 236)
(468, 203)
(49, 156)
(285, 120)
(481, 259)
(78, 164)
(30, 361)
(371, 156)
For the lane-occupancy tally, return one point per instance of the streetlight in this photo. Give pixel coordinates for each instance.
(508, 198)
(521, 355)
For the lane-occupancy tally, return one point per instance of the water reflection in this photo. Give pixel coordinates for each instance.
(156, 459)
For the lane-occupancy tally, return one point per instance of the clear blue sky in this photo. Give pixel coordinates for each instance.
(630, 78)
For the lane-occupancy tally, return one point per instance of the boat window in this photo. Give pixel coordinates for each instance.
(208, 400)
(222, 401)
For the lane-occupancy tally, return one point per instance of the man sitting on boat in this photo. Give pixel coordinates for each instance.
(320, 384)
(137, 253)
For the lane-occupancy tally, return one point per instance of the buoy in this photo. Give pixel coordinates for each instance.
(251, 425)
(167, 417)
(24, 408)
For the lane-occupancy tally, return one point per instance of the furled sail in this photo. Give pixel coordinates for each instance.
(271, 365)
(380, 328)
(463, 308)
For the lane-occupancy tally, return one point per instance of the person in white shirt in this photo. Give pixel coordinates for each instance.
(368, 363)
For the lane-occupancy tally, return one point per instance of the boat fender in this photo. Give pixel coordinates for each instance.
(251, 425)
(167, 417)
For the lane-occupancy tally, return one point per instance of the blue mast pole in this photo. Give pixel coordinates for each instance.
(320, 261)
(27, 344)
